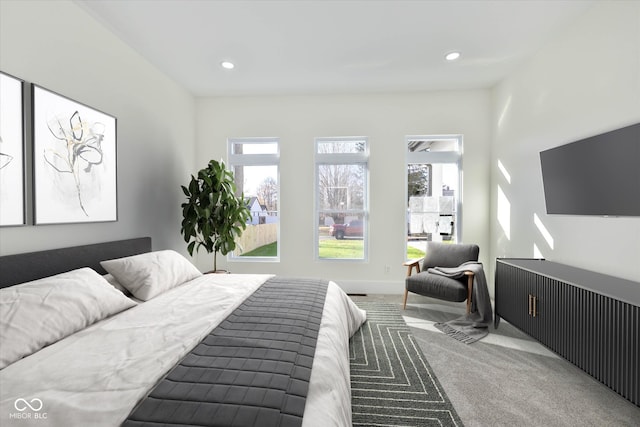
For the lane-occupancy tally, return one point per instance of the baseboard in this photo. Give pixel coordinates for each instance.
(390, 287)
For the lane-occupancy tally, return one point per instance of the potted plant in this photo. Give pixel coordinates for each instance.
(213, 215)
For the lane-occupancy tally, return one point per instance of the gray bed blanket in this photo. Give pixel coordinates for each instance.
(251, 370)
(475, 325)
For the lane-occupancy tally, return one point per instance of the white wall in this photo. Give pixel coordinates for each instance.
(585, 82)
(386, 120)
(59, 46)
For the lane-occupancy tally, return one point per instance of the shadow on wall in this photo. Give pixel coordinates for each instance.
(154, 172)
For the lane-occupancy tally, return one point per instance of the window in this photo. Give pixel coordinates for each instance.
(433, 191)
(255, 165)
(342, 178)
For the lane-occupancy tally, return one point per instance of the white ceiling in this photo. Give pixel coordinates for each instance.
(333, 46)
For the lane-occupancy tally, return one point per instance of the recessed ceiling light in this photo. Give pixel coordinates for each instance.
(452, 56)
(228, 65)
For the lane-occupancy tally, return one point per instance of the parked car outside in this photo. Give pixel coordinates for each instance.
(351, 229)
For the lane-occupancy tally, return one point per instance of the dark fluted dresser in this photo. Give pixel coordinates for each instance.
(590, 319)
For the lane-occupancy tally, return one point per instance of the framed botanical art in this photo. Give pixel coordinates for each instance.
(74, 161)
(12, 171)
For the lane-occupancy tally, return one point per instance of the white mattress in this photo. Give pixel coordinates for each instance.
(95, 377)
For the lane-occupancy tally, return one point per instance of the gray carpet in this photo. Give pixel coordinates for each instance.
(391, 382)
(508, 379)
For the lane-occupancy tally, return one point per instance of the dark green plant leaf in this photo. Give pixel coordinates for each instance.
(213, 216)
(190, 247)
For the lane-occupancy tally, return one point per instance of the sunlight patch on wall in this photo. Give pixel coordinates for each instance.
(543, 230)
(504, 213)
(503, 113)
(536, 252)
(504, 172)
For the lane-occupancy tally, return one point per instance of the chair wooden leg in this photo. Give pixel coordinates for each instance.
(469, 291)
(404, 303)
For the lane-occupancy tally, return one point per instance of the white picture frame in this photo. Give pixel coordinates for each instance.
(74, 161)
(12, 152)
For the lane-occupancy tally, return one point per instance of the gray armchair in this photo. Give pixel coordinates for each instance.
(438, 286)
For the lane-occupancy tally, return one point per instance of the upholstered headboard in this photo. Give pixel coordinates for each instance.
(21, 268)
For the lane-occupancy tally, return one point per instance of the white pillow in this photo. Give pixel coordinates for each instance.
(150, 274)
(38, 313)
(113, 282)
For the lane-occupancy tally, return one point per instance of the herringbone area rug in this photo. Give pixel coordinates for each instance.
(391, 382)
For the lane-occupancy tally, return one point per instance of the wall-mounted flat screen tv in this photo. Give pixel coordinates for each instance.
(599, 175)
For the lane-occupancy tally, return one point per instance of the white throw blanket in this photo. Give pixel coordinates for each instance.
(475, 325)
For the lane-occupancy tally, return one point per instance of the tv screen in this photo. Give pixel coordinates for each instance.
(599, 175)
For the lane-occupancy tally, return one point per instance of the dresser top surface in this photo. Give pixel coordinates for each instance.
(614, 287)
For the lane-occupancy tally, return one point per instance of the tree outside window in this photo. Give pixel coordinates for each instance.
(341, 198)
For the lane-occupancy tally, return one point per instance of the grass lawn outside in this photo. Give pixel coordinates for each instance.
(330, 248)
(341, 249)
(414, 253)
(270, 250)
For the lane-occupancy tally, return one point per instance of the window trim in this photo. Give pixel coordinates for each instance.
(450, 157)
(271, 159)
(341, 159)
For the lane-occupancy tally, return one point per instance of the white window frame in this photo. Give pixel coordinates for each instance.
(345, 159)
(430, 157)
(272, 159)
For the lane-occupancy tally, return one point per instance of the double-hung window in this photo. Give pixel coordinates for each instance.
(434, 191)
(341, 205)
(255, 165)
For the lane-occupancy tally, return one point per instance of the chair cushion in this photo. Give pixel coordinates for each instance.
(448, 254)
(437, 286)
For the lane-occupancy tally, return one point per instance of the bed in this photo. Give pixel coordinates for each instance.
(78, 352)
